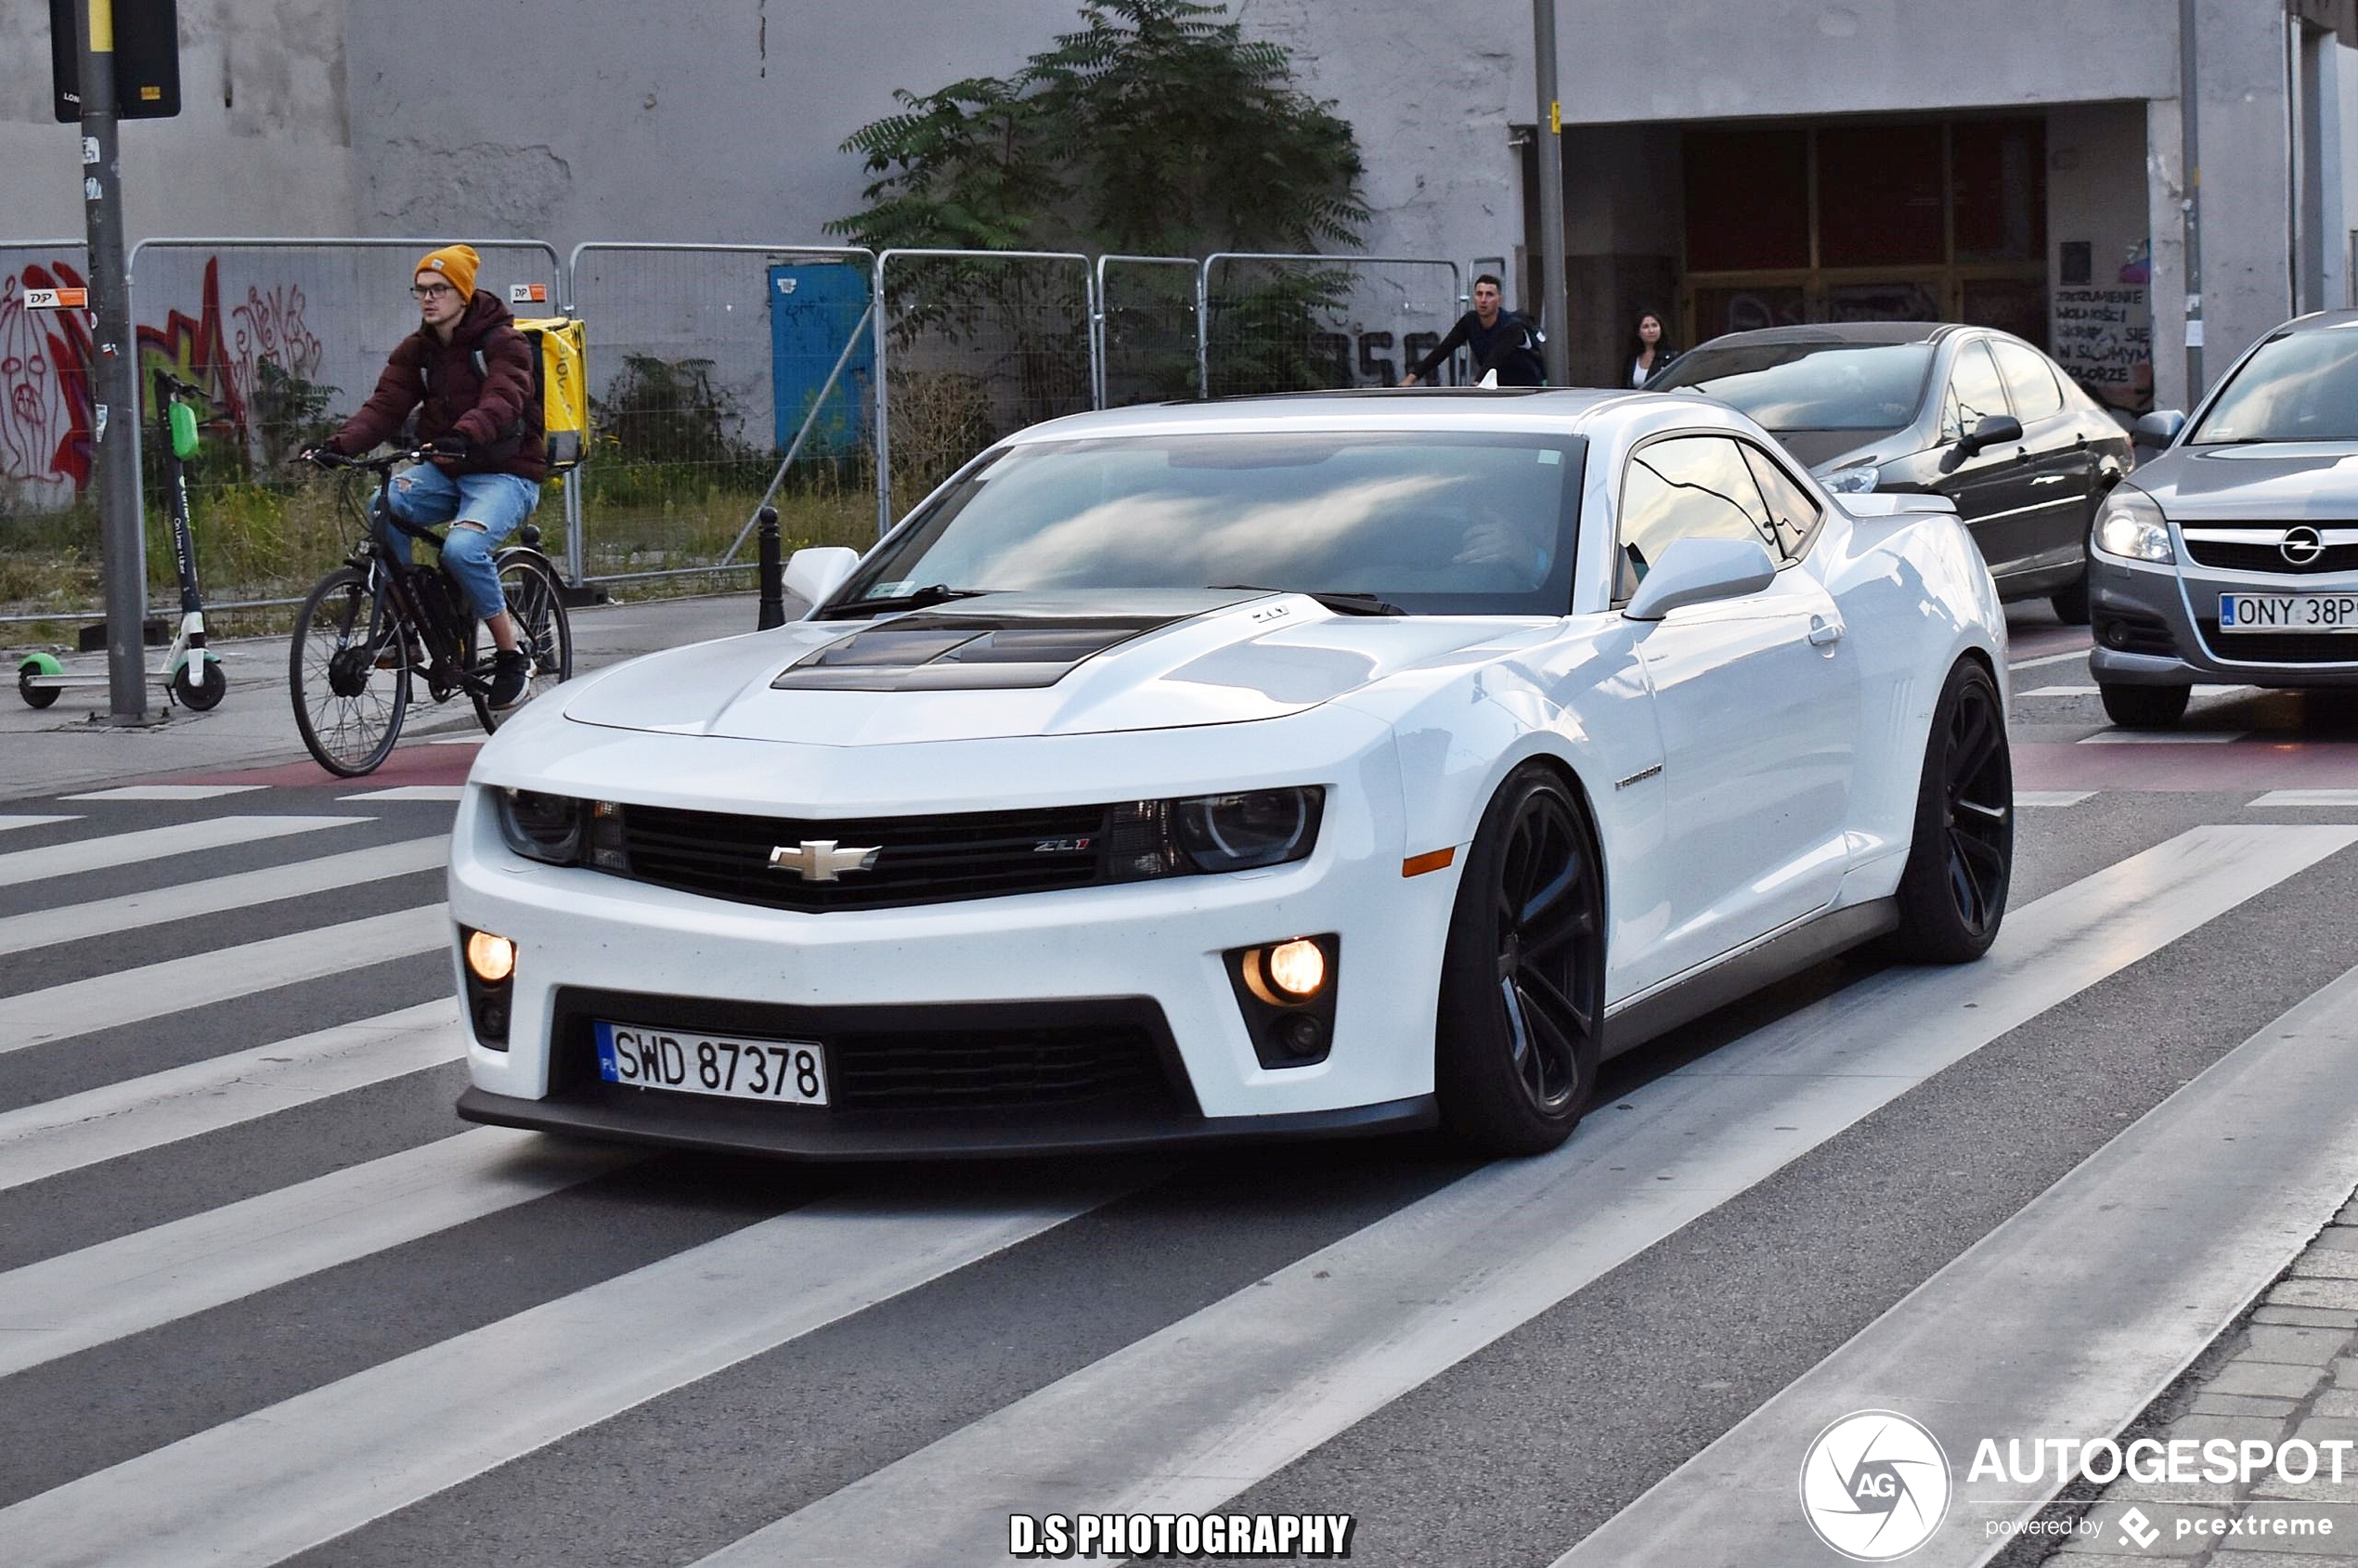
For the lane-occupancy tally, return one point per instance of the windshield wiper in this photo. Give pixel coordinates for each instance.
(1341, 603)
(932, 593)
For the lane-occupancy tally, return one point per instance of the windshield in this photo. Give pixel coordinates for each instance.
(1440, 524)
(1811, 385)
(2301, 387)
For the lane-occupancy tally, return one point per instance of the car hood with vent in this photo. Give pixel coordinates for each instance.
(1030, 664)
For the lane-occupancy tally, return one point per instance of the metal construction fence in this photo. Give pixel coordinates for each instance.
(971, 344)
(837, 384)
(1287, 323)
(722, 378)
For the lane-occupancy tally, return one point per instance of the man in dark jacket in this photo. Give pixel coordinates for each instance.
(467, 374)
(1503, 340)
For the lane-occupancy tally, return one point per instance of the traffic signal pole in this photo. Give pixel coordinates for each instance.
(1555, 317)
(113, 375)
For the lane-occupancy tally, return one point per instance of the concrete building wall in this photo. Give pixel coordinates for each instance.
(262, 144)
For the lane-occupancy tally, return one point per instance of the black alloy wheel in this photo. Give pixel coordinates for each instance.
(1952, 894)
(1522, 1004)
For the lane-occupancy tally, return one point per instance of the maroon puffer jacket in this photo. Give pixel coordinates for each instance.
(496, 411)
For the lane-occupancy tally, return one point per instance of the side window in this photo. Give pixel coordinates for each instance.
(2030, 380)
(1690, 485)
(1975, 393)
(1791, 510)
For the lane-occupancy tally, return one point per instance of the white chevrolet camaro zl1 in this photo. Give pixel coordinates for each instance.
(1309, 765)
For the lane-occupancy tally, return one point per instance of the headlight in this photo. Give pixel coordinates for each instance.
(1213, 832)
(1238, 832)
(540, 827)
(1859, 479)
(2131, 524)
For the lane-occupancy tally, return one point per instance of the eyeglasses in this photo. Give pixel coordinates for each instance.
(431, 291)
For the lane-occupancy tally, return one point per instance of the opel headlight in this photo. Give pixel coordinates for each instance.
(2131, 524)
(1859, 479)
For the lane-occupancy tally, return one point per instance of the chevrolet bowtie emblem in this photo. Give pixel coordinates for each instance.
(818, 859)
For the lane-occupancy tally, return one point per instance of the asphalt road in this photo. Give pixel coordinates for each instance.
(263, 1299)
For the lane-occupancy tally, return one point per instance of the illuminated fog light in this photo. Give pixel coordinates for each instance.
(490, 959)
(1297, 967)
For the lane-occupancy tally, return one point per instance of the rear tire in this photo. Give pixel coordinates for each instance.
(536, 604)
(347, 710)
(1952, 893)
(35, 696)
(1521, 1004)
(2144, 708)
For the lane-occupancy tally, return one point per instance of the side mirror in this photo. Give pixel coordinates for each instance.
(1992, 430)
(813, 575)
(2158, 428)
(1697, 571)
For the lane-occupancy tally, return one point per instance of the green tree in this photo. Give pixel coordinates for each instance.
(1156, 129)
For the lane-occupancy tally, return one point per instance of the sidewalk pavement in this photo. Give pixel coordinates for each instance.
(71, 745)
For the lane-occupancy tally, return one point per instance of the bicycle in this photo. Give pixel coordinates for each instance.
(364, 625)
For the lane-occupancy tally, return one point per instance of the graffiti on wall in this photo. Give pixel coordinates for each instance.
(2103, 338)
(47, 417)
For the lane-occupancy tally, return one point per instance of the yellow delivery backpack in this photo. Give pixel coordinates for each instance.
(561, 380)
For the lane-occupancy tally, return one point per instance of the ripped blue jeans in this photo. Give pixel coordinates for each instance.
(497, 502)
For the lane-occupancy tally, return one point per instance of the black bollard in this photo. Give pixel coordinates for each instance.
(773, 573)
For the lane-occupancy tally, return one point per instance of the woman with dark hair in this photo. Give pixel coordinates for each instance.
(1650, 348)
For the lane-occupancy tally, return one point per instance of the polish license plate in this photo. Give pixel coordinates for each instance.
(781, 1071)
(2289, 612)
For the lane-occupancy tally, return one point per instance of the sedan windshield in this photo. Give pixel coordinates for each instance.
(1811, 385)
(2300, 387)
(1433, 523)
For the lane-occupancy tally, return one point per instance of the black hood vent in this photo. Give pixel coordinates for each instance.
(930, 652)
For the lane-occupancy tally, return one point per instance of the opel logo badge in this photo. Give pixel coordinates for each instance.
(2301, 546)
(822, 859)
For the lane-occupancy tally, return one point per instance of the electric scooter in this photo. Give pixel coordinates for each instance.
(190, 674)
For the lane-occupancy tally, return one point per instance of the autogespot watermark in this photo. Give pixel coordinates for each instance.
(1875, 1484)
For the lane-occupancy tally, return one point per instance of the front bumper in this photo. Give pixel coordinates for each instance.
(1147, 957)
(2157, 626)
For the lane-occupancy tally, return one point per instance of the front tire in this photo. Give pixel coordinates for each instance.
(2071, 603)
(347, 710)
(204, 694)
(2144, 708)
(1521, 1004)
(1952, 893)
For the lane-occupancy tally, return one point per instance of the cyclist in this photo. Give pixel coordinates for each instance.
(466, 372)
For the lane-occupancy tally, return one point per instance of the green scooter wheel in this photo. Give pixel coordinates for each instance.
(38, 663)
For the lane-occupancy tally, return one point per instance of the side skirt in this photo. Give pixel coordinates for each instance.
(1746, 970)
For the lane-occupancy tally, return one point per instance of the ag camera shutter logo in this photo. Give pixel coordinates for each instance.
(1875, 1485)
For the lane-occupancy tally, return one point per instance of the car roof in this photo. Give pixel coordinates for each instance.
(2318, 321)
(1842, 332)
(1571, 410)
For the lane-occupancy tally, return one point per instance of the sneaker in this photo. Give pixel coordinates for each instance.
(511, 672)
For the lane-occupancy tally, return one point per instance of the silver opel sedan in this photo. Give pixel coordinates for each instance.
(2233, 555)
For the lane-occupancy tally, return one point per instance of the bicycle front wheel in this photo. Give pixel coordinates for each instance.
(349, 674)
(537, 605)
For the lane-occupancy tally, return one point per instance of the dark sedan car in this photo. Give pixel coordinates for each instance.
(1976, 415)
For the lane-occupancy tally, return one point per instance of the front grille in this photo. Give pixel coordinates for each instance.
(2242, 557)
(1095, 1054)
(995, 1068)
(919, 861)
(2133, 634)
(2291, 647)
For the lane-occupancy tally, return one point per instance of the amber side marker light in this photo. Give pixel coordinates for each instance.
(490, 959)
(1439, 859)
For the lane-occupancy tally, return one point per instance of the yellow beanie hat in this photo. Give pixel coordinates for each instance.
(458, 263)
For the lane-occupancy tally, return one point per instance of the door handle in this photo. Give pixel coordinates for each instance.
(1824, 633)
